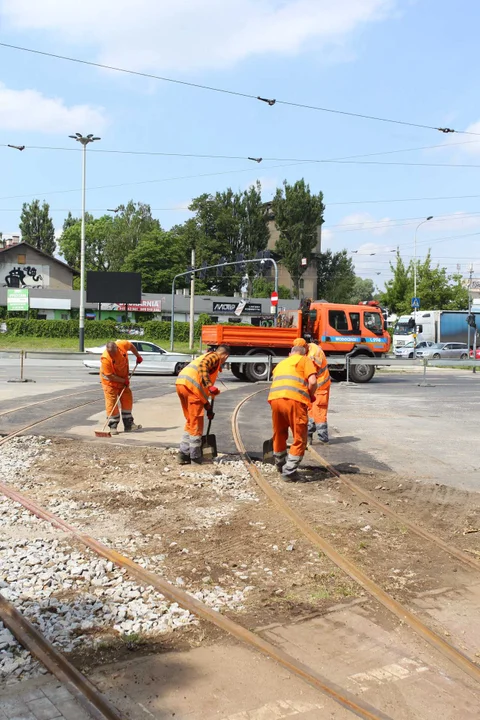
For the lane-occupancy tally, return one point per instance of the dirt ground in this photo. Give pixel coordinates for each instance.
(213, 527)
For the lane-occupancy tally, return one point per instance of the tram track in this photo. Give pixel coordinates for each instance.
(32, 639)
(406, 616)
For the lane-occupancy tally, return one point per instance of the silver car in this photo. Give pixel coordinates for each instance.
(156, 360)
(407, 350)
(445, 351)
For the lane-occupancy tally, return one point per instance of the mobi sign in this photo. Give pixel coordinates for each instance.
(228, 308)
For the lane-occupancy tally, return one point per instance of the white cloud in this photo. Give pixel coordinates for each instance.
(160, 35)
(29, 110)
(364, 221)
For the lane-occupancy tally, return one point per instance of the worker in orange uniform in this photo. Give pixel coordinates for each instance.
(292, 391)
(114, 376)
(317, 416)
(195, 387)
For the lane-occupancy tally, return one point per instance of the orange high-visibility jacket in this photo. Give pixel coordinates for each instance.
(191, 378)
(316, 354)
(117, 366)
(290, 379)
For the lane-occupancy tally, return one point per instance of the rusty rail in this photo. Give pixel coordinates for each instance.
(452, 653)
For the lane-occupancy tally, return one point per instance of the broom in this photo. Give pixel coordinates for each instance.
(107, 433)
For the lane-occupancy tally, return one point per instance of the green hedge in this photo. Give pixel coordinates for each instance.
(153, 329)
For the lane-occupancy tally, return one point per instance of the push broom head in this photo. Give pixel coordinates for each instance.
(103, 433)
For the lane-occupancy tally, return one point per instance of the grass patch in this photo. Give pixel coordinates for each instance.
(27, 342)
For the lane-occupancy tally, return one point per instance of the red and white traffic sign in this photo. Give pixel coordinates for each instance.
(274, 298)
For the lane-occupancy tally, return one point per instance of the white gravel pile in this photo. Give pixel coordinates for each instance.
(19, 454)
(229, 478)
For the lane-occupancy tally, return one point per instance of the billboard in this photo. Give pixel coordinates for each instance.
(227, 308)
(152, 306)
(114, 287)
(17, 300)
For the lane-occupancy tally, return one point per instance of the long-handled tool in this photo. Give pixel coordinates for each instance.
(268, 451)
(104, 432)
(209, 442)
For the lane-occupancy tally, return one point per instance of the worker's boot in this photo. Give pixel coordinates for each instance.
(183, 459)
(131, 427)
(197, 460)
(322, 432)
(311, 430)
(112, 428)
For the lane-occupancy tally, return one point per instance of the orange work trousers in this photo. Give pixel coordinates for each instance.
(125, 405)
(289, 414)
(193, 410)
(319, 408)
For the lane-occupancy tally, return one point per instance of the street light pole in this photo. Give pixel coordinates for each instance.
(430, 217)
(84, 141)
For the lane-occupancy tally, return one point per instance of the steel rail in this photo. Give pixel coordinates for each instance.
(42, 402)
(174, 594)
(386, 510)
(449, 651)
(94, 702)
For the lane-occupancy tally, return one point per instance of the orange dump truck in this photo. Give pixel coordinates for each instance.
(341, 330)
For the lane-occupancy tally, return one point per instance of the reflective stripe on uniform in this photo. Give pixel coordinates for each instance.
(190, 381)
(294, 378)
(289, 388)
(289, 381)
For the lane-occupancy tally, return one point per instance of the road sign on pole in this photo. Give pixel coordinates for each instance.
(274, 298)
(415, 303)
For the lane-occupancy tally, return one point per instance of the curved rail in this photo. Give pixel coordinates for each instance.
(404, 615)
(355, 705)
(386, 510)
(45, 400)
(79, 686)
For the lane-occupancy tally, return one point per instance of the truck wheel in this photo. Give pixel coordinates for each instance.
(338, 375)
(236, 372)
(256, 372)
(361, 373)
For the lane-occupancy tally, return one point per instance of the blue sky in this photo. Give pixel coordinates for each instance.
(414, 60)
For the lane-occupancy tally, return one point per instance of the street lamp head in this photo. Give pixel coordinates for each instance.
(96, 138)
(430, 217)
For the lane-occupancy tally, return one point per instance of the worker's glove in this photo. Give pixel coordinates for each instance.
(210, 414)
(139, 359)
(213, 390)
(127, 382)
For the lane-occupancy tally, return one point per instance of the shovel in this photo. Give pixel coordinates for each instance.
(209, 442)
(268, 451)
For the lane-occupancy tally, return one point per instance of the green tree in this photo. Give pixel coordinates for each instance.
(132, 222)
(98, 234)
(226, 225)
(36, 226)
(398, 288)
(363, 289)
(262, 287)
(436, 289)
(335, 276)
(158, 256)
(298, 215)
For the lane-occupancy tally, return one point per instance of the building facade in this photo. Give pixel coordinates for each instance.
(23, 266)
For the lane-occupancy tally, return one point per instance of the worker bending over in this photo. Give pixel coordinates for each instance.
(114, 376)
(292, 391)
(195, 387)
(317, 415)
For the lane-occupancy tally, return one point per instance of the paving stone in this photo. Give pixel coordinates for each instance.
(43, 709)
(13, 707)
(28, 695)
(71, 710)
(57, 693)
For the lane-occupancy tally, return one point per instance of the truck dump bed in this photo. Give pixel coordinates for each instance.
(249, 336)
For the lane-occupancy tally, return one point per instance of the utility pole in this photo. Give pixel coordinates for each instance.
(415, 280)
(470, 303)
(84, 141)
(192, 303)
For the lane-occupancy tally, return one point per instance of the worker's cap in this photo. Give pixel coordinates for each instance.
(299, 342)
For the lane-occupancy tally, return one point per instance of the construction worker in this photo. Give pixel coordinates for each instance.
(114, 376)
(195, 387)
(292, 391)
(317, 415)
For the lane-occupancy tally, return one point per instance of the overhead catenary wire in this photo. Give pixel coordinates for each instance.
(270, 102)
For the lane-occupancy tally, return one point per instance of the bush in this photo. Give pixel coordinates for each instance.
(155, 330)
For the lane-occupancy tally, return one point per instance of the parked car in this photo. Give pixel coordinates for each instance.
(406, 351)
(445, 351)
(156, 360)
(477, 354)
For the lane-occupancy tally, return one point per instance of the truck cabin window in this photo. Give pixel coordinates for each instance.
(337, 320)
(355, 320)
(373, 322)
